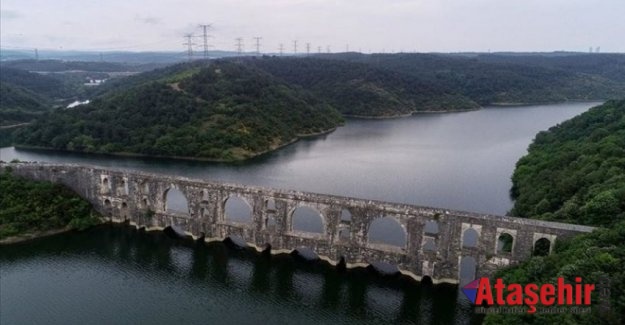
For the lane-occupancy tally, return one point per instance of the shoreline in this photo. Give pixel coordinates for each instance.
(33, 235)
(386, 117)
(448, 111)
(513, 104)
(213, 160)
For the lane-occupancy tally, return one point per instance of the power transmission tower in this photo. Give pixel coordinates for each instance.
(205, 36)
(189, 43)
(37, 54)
(346, 47)
(307, 48)
(239, 45)
(281, 48)
(257, 39)
(319, 49)
(328, 48)
(101, 57)
(295, 47)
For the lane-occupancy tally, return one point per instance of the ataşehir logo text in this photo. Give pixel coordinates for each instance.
(481, 293)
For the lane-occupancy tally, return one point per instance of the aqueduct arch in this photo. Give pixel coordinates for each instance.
(143, 200)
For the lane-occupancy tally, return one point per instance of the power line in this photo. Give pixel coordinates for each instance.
(205, 36)
(257, 40)
(189, 43)
(239, 45)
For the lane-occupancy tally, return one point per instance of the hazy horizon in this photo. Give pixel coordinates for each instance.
(362, 26)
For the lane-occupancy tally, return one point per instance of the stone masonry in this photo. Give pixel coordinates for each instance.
(140, 199)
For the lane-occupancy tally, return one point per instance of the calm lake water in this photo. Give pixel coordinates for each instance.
(113, 274)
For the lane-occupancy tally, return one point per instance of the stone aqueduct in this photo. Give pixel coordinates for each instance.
(140, 199)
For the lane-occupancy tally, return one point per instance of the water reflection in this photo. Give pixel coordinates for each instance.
(203, 281)
(457, 161)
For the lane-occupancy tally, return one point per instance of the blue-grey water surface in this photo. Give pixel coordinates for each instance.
(117, 275)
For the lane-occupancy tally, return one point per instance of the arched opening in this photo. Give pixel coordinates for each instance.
(467, 269)
(469, 238)
(270, 222)
(174, 231)
(124, 205)
(542, 247)
(106, 187)
(385, 268)
(429, 245)
(346, 216)
(504, 243)
(145, 202)
(123, 187)
(176, 201)
(307, 219)
(146, 188)
(306, 253)
(236, 241)
(344, 232)
(270, 204)
(107, 202)
(387, 231)
(237, 210)
(431, 227)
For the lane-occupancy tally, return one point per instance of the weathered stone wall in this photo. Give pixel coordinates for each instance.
(140, 198)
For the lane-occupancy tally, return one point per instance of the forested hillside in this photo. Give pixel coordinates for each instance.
(359, 89)
(25, 95)
(64, 66)
(30, 87)
(19, 105)
(575, 172)
(508, 81)
(222, 110)
(40, 84)
(607, 65)
(28, 207)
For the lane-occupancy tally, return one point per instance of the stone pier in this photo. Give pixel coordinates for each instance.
(437, 241)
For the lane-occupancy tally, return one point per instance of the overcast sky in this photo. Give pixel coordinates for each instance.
(366, 25)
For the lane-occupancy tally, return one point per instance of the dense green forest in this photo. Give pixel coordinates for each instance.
(32, 87)
(25, 95)
(221, 110)
(32, 206)
(86, 66)
(511, 81)
(41, 84)
(361, 89)
(575, 172)
(262, 102)
(607, 65)
(19, 105)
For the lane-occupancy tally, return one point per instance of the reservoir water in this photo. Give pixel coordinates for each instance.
(113, 274)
